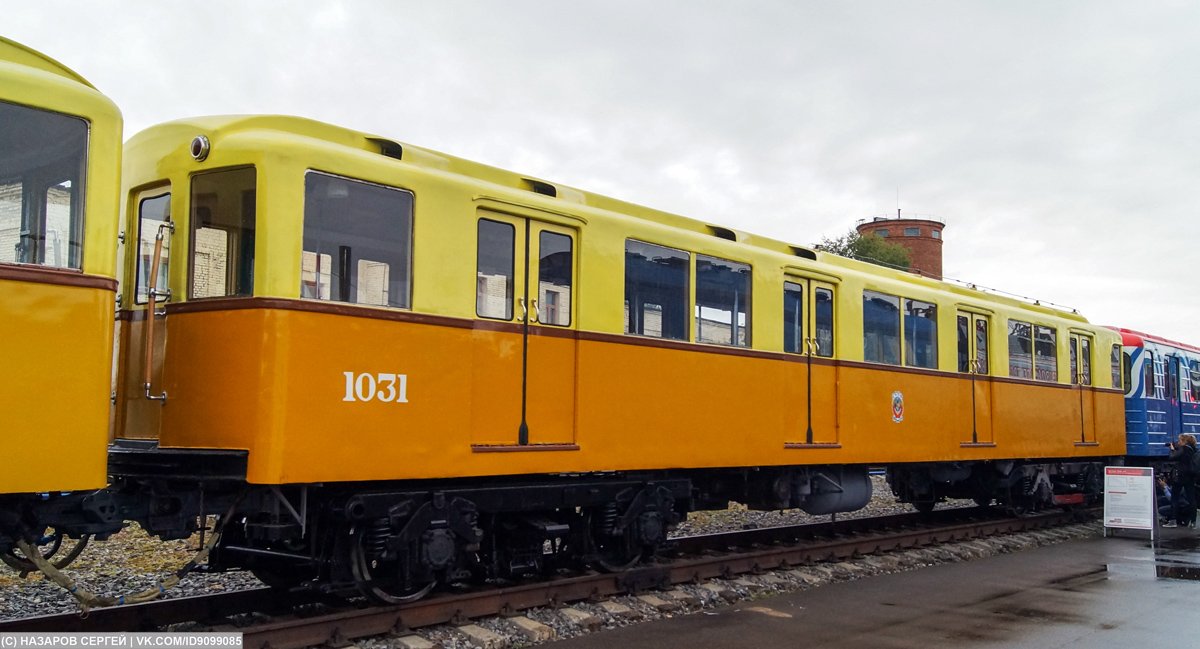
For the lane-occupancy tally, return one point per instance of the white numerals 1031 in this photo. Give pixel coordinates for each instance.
(389, 388)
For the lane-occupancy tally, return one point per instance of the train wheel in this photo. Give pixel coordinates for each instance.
(372, 579)
(924, 506)
(610, 553)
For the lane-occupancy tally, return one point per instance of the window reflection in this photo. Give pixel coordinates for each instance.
(357, 241)
(920, 334)
(223, 226)
(656, 290)
(555, 267)
(43, 166)
(722, 299)
(1020, 350)
(881, 328)
(153, 213)
(494, 270)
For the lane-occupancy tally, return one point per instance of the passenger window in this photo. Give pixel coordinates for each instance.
(153, 213)
(223, 223)
(357, 241)
(555, 267)
(722, 301)
(43, 166)
(793, 318)
(823, 321)
(1020, 350)
(920, 334)
(494, 270)
(656, 290)
(1045, 352)
(1114, 361)
(964, 343)
(881, 328)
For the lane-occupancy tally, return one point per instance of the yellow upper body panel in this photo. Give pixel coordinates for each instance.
(34, 80)
(450, 193)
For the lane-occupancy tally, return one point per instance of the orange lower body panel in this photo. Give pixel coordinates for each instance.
(319, 397)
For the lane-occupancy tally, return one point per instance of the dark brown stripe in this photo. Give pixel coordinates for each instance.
(790, 445)
(978, 445)
(56, 276)
(357, 311)
(521, 448)
(679, 345)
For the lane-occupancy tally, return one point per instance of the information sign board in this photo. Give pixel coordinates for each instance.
(1129, 498)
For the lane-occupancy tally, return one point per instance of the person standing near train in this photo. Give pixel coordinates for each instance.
(1183, 487)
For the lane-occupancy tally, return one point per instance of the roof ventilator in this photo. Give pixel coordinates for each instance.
(387, 147)
(804, 252)
(539, 187)
(723, 233)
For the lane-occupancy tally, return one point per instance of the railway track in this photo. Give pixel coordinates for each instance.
(691, 559)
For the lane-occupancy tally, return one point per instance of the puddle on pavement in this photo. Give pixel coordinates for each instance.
(1177, 558)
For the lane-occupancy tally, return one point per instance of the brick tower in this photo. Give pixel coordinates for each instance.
(921, 234)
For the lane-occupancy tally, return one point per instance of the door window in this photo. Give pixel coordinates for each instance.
(555, 268)
(793, 318)
(154, 216)
(494, 270)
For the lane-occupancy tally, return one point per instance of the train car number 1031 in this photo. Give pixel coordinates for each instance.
(389, 388)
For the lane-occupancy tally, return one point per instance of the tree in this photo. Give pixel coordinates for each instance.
(870, 248)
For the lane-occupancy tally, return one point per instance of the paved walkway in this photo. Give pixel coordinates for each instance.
(1114, 592)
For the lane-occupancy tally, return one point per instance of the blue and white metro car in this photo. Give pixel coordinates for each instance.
(1162, 393)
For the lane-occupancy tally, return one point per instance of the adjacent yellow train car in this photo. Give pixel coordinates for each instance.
(60, 152)
(348, 310)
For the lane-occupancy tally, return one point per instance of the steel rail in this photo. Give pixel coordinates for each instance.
(688, 559)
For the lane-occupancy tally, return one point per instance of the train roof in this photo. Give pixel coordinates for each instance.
(1132, 338)
(173, 138)
(15, 52)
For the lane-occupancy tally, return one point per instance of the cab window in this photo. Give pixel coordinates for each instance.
(223, 220)
(43, 167)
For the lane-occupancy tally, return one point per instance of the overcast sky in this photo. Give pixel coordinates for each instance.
(1060, 141)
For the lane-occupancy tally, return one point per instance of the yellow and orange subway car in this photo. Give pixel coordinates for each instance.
(409, 367)
(60, 152)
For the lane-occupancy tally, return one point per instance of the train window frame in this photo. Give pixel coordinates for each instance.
(511, 277)
(1015, 353)
(395, 255)
(795, 293)
(824, 331)
(548, 309)
(874, 331)
(928, 358)
(1080, 360)
(141, 286)
(33, 185)
(1046, 370)
(680, 323)
(243, 265)
(708, 280)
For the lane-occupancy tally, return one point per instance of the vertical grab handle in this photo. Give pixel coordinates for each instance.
(152, 298)
(536, 317)
(524, 310)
